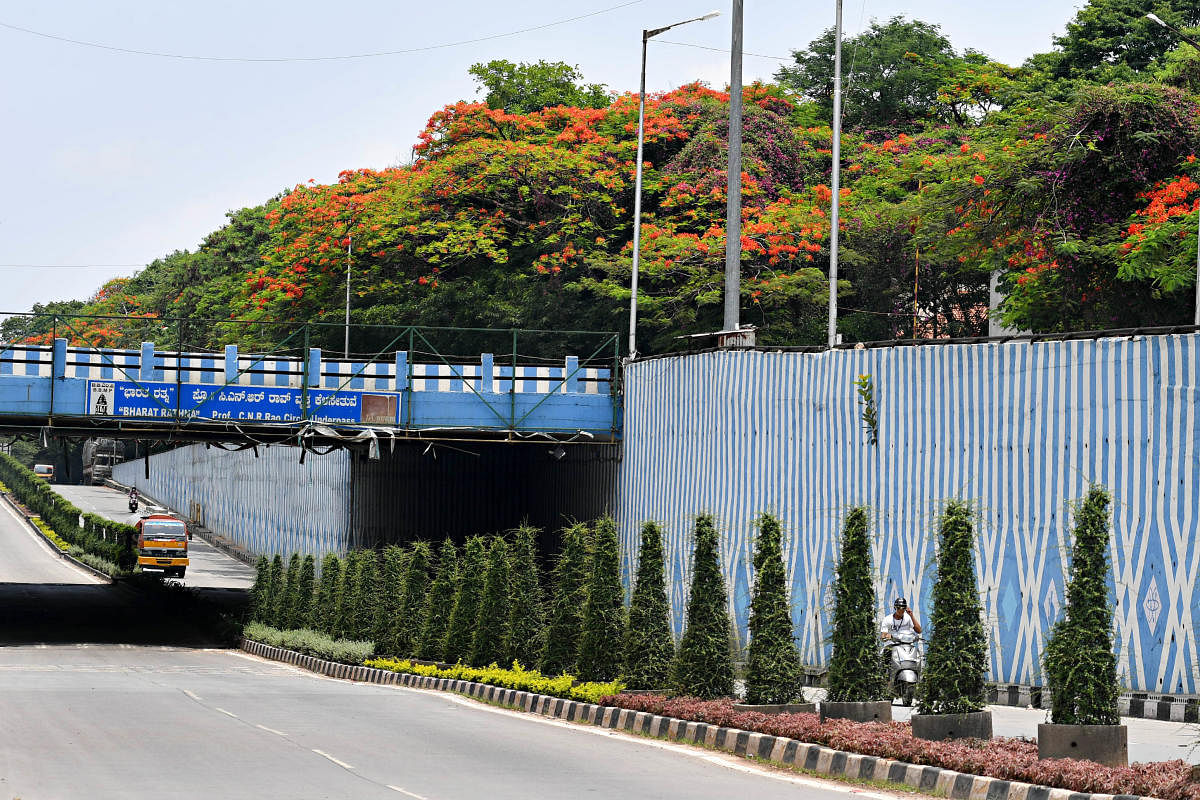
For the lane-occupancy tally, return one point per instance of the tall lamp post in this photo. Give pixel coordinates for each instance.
(836, 178)
(1192, 42)
(647, 35)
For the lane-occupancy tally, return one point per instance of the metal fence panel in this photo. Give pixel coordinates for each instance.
(1021, 429)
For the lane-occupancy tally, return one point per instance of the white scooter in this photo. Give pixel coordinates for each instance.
(904, 664)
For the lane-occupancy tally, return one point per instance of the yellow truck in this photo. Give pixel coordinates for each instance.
(162, 544)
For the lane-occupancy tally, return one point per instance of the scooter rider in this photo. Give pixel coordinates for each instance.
(901, 619)
(133, 499)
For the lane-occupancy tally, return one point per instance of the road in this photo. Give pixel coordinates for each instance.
(106, 695)
(209, 567)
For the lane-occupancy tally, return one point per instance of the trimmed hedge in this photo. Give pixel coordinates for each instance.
(313, 643)
(113, 542)
(519, 678)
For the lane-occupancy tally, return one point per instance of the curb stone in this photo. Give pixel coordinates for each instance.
(774, 749)
(1139, 705)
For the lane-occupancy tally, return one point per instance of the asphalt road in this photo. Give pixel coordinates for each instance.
(104, 722)
(209, 567)
(107, 693)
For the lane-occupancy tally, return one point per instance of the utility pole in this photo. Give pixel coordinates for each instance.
(733, 205)
(837, 173)
(349, 261)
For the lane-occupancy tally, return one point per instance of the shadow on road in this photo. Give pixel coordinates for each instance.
(48, 613)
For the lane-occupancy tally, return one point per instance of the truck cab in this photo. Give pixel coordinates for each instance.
(162, 544)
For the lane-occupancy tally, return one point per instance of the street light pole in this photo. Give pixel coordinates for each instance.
(647, 35)
(836, 179)
(349, 260)
(1192, 42)
(733, 203)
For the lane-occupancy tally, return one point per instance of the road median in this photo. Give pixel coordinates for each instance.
(777, 750)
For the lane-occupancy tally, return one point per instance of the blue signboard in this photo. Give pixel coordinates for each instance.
(150, 399)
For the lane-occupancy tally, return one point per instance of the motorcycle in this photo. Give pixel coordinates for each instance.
(904, 665)
(133, 503)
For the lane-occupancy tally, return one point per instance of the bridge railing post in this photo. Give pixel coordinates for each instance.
(146, 367)
(487, 373)
(231, 363)
(571, 374)
(58, 367)
(314, 367)
(401, 384)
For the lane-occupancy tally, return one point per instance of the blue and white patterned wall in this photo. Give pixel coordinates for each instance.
(1021, 429)
(268, 504)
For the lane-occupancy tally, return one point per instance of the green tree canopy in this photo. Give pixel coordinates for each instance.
(886, 73)
(1113, 40)
(522, 88)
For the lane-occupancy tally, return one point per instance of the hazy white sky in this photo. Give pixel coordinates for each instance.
(113, 158)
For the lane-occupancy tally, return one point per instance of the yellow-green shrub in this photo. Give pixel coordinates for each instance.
(520, 678)
(59, 542)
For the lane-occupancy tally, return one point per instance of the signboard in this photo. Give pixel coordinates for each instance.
(100, 398)
(151, 399)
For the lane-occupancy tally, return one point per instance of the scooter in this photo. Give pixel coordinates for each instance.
(133, 503)
(904, 665)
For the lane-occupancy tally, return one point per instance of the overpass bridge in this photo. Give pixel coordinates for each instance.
(307, 399)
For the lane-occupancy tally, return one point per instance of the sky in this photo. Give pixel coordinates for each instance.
(112, 159)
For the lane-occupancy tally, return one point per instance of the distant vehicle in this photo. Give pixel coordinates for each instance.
(44, 471)
(99, 457)
(162, 544)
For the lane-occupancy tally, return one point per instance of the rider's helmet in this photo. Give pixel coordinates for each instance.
(900, 604)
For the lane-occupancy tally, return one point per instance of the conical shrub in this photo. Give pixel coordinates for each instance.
(367, 596)
(604, 613)
(704, 665)
(287, 606)
(487, 646)
(956, 660)
(276, 581)
(304, 594)
(526, 615)
(260, 591)
(392, 601)
(855, 668)
(438, 604)
(649, 646)
(773, 663)
(460, 634)
(561, 650)
(347, 599)
(407, 627)
(326, 609)
(1079, 662)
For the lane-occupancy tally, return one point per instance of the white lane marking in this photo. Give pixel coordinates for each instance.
(405, 791)
(341, 764)
(192, 695)
(223, 711)
(270, 730)
(733, 763)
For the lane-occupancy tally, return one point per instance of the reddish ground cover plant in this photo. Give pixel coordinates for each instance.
(1008, 759)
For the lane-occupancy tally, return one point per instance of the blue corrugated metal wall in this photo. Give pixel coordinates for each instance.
(267, 504)
(1019, 428)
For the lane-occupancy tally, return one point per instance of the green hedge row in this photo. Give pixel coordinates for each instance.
(112, 541)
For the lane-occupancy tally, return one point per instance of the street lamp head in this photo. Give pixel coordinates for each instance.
(1154, 17)
(710, 15)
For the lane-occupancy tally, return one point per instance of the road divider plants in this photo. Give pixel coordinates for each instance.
(1006, 759)
(111, 542)
(312, 643)
(519, 678)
